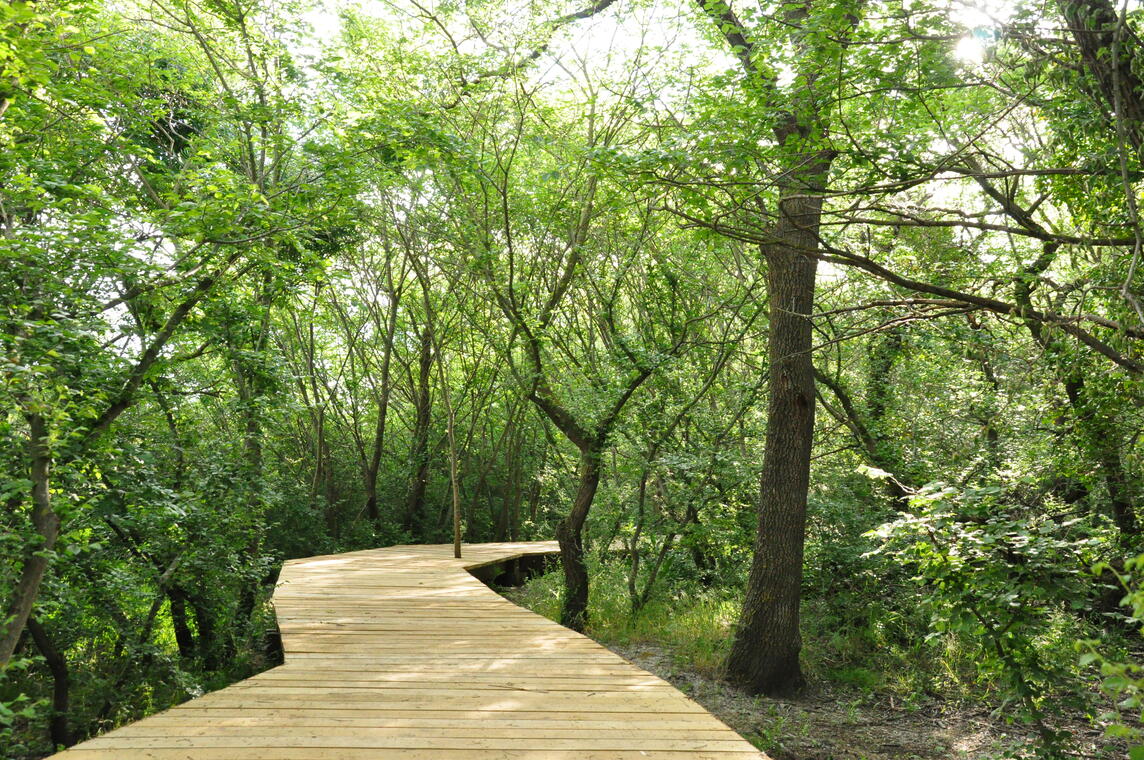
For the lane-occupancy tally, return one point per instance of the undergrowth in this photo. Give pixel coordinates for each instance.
(856, 646)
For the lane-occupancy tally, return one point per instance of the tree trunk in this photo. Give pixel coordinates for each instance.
(507, 516)
(989, 421)
(58, 729)
(1123, 510)
(1093, 26)
(451, 435)
(47, 524)
(1095, 427)
(883, 356)
(374, 465)
(569, 533)
(324, 477)
(879, 451)
(185, 640)
(207, 637)
(765, 654)
(1099, 432)
(419, 455)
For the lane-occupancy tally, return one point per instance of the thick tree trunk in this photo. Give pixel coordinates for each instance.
(1108, 54)
(765, 653)
(47, 524)
(569, 533)
(207, 638)
(185, 640)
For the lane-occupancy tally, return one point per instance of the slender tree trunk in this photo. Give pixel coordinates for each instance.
(324, 476)
(883, 357)
(989, 421)
(504, 517)
(454, 472)
(534, 488)
(1119, 494)
(765, 653)
(58, 729)
(635, 555)
(569, 533)
(419, 455)
(518, 486)
(649, 585)
(374, 465)
(47, 524)
(879, 451)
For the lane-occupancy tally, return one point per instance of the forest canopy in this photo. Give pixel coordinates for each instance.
(819, 320)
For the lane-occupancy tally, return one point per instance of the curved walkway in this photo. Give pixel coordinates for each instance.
(400, 653)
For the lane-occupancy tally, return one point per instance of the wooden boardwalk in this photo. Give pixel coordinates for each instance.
(399, 653)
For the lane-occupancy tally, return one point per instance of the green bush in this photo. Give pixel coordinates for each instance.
(1123, 681)
(999, 583)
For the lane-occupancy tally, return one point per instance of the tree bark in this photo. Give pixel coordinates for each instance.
(419, 454)
(208, 645)
(1096, 428)
(569, 533)
(876, 448)
(47, 524)
(1099, 432)
(374, 466)
(1108, 54)
(177, 600)
(765, 653)
(61, 735)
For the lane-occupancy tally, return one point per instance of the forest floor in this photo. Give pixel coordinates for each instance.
(826, 723)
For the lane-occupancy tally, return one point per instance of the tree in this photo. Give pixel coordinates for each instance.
(765, 653)
(180, 223)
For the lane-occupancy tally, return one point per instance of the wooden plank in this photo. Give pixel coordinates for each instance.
(285, 737)
(82, 752)
(475, 732)
(561, 702)
(399, 654)
(286, 714)
(180, 726)
(432, 667)
(475, 680)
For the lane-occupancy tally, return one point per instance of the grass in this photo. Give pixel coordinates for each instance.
(851, 642)
(864, 652)
(695, 625)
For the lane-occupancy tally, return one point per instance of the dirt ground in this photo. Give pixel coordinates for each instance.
(833, 725)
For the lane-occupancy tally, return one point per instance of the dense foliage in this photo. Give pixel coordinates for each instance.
(280, 279)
